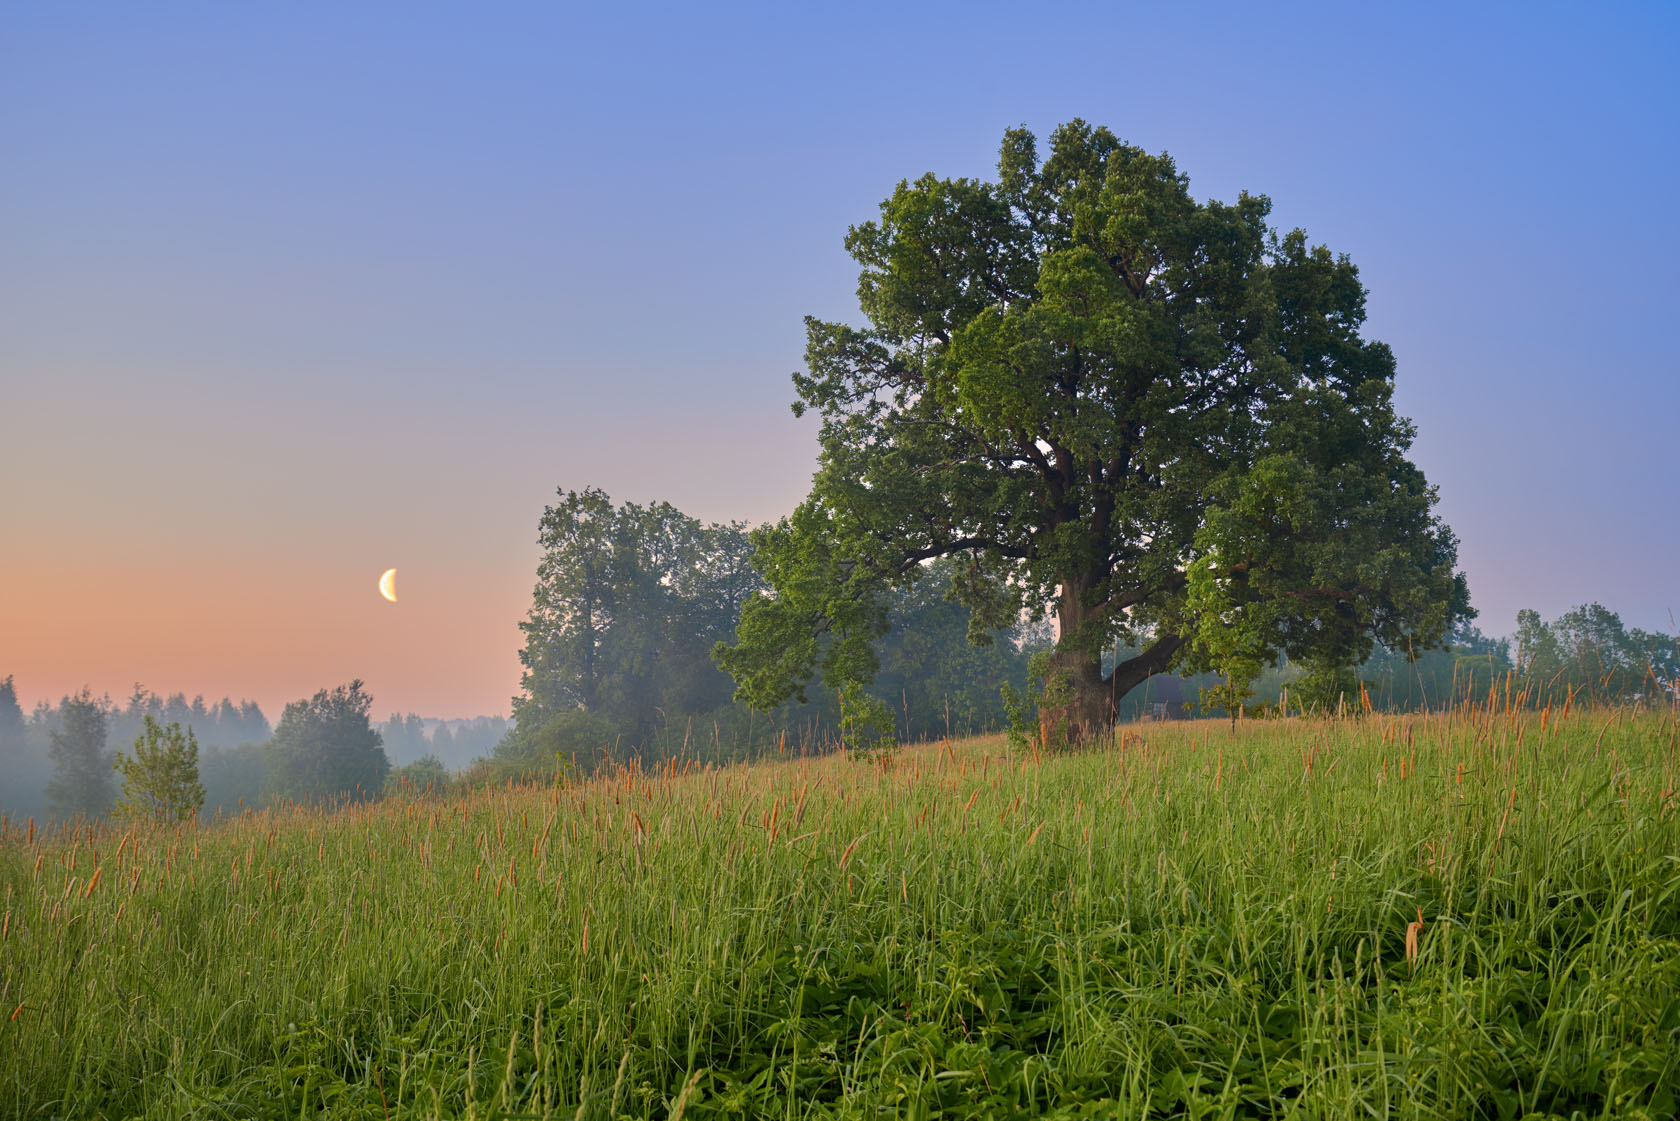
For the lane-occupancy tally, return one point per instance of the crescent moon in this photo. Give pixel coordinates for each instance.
(388, 585)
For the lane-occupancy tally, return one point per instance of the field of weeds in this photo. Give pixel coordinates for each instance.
(1474, 914)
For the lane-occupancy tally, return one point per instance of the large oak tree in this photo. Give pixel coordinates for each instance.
(1152, 418)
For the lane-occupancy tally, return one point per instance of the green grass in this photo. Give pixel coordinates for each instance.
(1195, 922)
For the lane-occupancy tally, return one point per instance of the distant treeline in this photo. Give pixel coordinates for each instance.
(453, 743)
(26, 760)
(56, 762)
(1587, 655)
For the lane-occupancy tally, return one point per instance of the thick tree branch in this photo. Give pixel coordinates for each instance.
(1110, 608)
(1131, 673)
(914, 557)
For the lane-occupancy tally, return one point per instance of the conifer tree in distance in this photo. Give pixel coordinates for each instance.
(83, 783)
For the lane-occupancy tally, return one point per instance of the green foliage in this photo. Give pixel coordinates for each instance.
(12, 733)
(23, 760)
(81, 783)
(1151, 417)
(1021, 729)
(865, 722)
(325, 749)
(935, 679)
(628, 604)
(160, 782)
(426, 775)
(1327, 688)
(234, 778)
(572, 739)
(1230, 694)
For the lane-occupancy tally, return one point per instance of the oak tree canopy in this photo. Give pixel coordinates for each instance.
(1152, 418)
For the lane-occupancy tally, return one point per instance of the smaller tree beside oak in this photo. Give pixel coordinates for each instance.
(628, 604)
(325, 749)
(161, 781)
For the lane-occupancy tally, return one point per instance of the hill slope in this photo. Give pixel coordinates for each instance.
(1195, 922)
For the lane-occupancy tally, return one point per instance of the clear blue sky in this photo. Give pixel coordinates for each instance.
(294, 293)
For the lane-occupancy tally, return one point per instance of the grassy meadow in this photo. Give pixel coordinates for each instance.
(1474, 914)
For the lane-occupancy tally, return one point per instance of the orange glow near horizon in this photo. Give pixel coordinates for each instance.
(270, 632)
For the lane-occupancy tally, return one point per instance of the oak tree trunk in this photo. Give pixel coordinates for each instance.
(1078, 701)
(1076, 705)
